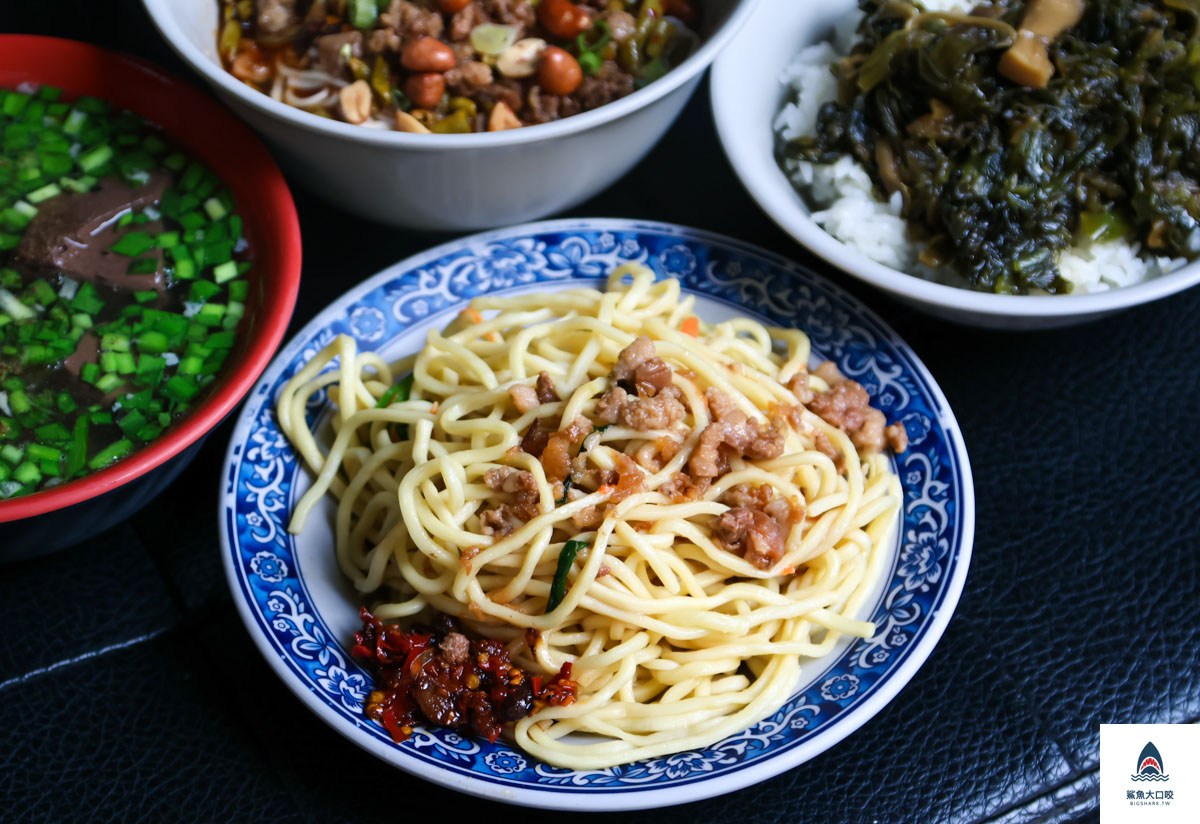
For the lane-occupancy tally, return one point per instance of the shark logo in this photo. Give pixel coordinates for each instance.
(1150, 765)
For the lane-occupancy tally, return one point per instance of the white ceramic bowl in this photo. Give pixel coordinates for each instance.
(452, 182)
(746, 96)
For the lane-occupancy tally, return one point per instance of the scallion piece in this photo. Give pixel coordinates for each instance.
(41, 452)
(133, 244)
(110, 453)
(27, 473)
(396, 394)
(75, 120)
(180, 389)
(80, 184)
(92, 160)
(109, 381)
(77, 453)
(215, 208)
(153, 342)
(362, 13)
(225, 272)
(45, 193)
(566, 557)
(13, 307)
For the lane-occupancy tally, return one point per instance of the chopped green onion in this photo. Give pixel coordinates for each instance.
(14, 307)
(45, 193)
(132, 422)
(80, 185)
(153, 341)
(362, 13)
(180, 389)
(111, 453)
(109, 381)
(40, 452)
(27, 473)
(133, 244)
(114, 342)
(77, 453)
(590, 62)
(215, 208)
(396, 394)
(558, 588)
(97, 157)
(227, 271)
(144, 266)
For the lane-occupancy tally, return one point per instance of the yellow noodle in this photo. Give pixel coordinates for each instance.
(676, 642)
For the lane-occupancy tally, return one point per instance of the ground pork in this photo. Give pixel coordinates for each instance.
(721, 440)
(556, 457)
(608, 84)
(848, 407)
(751, 533)
(523, 506)
(536, 437)
(275, 16)
(524, 397)
(825, 447)
(682, 487)
(546, 392)
(590, 517)
(455, 647)
(744, 495)
(762, 497)
(800, 388)
(661, 411)
(402, 23)
(520, 13)
(630, 479)
(468, 76)
(638, 364)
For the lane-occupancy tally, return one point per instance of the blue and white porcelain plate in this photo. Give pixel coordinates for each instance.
(302, 614)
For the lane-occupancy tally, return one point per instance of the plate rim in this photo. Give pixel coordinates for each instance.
(593, 797)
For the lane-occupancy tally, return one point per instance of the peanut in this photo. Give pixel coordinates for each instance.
(503, 118)
(427, 54)
(521, 58)
(425, 89)
(405, 122)
(559, 71)
(563, 18)
(356, 102)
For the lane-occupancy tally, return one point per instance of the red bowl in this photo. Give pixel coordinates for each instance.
(198, 124)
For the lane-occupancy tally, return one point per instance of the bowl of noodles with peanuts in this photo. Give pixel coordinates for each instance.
(593, 508)
(455, 178)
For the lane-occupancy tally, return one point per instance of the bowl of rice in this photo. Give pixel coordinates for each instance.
(769, 86)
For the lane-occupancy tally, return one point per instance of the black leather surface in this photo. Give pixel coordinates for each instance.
(130, 691)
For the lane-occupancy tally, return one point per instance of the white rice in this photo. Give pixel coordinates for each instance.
(849, 210)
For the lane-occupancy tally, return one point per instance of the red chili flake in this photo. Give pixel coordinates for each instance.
(476, 693)
(392, 725)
